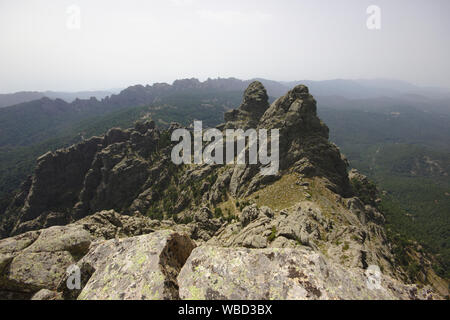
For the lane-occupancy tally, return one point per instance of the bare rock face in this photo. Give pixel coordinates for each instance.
(249, 214)
(254, 104)
(115, 262)
(136, 268)
(204, 225)
(38, 259)
(255, 99)
(109, 224)
(297, 274)
(304, 145)
(363, 188)
(45, 294)
(56, 183)
(342, 235)
(91, 176)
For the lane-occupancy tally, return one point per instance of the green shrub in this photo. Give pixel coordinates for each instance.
(218, 212)
(273, 234)
(229, 218)
(155, 213)
(185, 220)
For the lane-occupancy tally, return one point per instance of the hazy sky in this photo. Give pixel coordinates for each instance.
(120, 43)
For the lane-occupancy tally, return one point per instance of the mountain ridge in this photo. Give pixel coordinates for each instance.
(360, 128)
(129, 171)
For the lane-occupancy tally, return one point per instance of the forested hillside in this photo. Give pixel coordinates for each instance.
(407, 153)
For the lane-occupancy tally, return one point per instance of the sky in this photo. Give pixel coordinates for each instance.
(103, 44)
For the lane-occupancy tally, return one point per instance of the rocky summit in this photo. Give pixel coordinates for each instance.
(136, 226)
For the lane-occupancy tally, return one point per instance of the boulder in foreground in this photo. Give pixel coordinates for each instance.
(280, 274)
(142, 267)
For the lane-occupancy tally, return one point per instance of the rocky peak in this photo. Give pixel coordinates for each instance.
(304, 145)
(143, 126)
(303, 140)
(297, 110)
(255, 103)
(183, 84)
(255, 99)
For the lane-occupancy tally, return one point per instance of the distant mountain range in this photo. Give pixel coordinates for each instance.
(10, 99)
(350, 89)
(365, 88)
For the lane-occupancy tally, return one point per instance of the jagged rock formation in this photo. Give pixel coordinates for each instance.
(341, 236)
(304, 139)
(65, 185)
(250, 111)
(310, 210)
